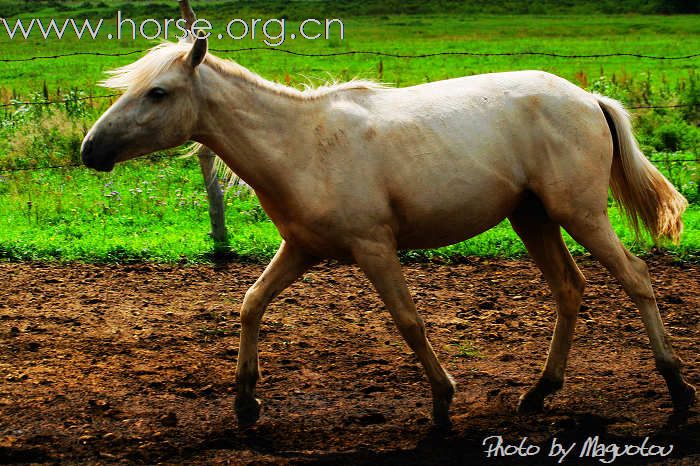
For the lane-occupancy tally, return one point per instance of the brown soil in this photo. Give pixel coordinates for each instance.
(102, 364)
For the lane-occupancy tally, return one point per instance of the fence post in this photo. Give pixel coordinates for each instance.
(215, 195)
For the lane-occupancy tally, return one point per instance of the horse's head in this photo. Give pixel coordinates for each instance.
(158, 110)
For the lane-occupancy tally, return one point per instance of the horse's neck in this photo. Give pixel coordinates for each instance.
(255, 131)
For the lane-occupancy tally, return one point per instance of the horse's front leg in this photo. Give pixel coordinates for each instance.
(379, 261)
(287, 265)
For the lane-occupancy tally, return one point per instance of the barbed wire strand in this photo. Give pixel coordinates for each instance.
(642, 107)
(370, 52)
(58, 102)
(457, 52)
(152, 158)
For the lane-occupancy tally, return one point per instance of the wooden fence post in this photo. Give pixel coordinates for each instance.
(215, 195)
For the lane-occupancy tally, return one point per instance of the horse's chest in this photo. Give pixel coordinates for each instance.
(313, 229)
(317, 238)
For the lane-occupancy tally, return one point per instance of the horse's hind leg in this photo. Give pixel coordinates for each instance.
(379, 261)
(542, 238)
(595, 233)
(287, 265)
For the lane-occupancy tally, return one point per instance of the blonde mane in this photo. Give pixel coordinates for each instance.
(137, 75)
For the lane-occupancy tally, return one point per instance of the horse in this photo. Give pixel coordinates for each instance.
(357, 171)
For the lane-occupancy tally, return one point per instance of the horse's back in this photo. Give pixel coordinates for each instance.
(473, 89)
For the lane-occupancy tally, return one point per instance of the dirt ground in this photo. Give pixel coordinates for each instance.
(135, 364)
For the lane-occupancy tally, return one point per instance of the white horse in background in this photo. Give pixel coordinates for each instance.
(357, 171)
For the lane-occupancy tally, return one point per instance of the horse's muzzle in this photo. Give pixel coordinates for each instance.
(93, 160)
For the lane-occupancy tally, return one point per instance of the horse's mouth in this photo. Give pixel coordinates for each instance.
(99, 165)
(104, 168)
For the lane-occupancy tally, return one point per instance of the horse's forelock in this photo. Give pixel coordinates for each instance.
(139, 74)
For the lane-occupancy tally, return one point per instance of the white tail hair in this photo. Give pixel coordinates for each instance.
(646, 195)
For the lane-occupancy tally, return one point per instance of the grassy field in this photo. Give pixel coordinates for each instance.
(146, 211)
(149, 210)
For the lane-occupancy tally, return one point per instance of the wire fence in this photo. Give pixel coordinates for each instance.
(153, 157)
(17, 104)
(345, 53)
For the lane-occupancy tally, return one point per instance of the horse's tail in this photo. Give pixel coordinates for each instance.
(638, 185)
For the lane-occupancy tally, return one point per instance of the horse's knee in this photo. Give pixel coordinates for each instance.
(253, 307)
(639, 266)
(570, 294)
(578, 282)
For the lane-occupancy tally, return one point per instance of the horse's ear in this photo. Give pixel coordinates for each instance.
(198, 51)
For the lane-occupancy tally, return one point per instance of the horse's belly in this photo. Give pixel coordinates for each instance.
(432, 214)
(445, 227)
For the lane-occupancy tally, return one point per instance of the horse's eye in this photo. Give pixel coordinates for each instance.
(157, 93)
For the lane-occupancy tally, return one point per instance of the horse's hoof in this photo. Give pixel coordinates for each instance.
(684, 399)
(248, 412)
(530, 403)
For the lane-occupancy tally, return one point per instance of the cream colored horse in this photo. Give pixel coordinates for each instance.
(356, 171)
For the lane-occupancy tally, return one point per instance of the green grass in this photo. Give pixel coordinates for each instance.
(468, 350)
(76, 215)
(147, 211)
(503, 242)
(142, 211)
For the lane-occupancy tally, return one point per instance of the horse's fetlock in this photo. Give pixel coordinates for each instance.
(547, 384)
(452, 383)
(247, 376)
(669, 367)
(445, 390)
(247, 410)
(410, 326)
